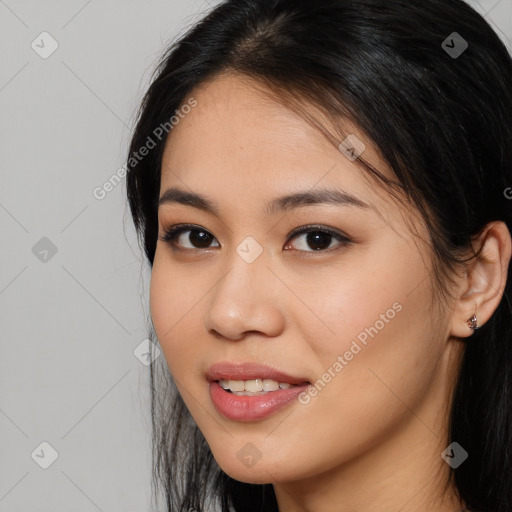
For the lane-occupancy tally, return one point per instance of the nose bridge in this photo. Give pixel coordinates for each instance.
(243, 299)
(247, 265)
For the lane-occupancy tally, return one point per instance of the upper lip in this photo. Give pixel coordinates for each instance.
(249, 371)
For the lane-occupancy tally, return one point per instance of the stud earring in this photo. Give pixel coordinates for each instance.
(472, 323)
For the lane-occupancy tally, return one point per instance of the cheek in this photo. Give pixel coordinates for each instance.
(170, 296)
(381, 337)
(160, 302)
(169, 313)
(351, 306)
(368, 296)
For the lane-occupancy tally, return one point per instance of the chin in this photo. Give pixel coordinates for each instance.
(264, 471)
(249, 475)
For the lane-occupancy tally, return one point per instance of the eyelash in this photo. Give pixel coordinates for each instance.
(170, 234)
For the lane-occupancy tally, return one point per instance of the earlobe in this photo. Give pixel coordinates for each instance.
(464, 327)
(473, 323)
(481, 289)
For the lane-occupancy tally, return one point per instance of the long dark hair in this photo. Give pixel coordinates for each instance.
(441, 116)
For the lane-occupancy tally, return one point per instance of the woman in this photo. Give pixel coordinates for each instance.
(321, 192)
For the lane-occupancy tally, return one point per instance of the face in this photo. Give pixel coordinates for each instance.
(343, 305)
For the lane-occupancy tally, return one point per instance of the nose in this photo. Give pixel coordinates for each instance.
(247, 299)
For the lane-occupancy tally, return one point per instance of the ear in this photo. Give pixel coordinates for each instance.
(482, 286)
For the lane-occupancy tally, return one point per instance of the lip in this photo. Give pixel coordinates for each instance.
(251, 408)
(249, 371)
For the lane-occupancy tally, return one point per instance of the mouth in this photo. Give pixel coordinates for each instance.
(253, 376)
(251, 392)
(255, 387)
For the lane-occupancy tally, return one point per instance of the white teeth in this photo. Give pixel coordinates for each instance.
(235, 385)
(270, 385)
(254, 386)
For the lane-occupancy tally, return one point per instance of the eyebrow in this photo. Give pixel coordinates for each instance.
(273, 207)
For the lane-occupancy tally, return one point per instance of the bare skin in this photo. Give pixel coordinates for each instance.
(372, 438)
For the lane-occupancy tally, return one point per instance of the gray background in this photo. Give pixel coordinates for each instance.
(72, 319)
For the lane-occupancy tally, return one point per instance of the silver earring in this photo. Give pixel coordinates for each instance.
(472, 323)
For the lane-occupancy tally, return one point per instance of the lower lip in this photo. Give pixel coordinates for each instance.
(252, 408)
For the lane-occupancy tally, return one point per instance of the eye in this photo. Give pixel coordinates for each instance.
(198, 236)
(319, 238)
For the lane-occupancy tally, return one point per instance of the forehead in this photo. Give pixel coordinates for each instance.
(238, 137)
(235, 112)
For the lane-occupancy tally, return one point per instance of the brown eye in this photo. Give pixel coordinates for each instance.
(198, 238)
(317, 238)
